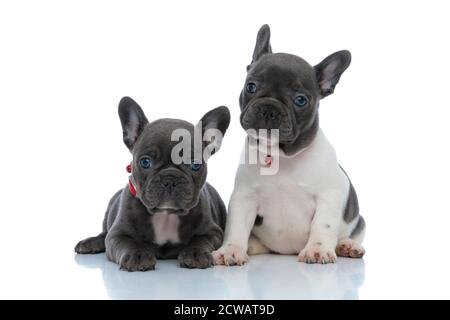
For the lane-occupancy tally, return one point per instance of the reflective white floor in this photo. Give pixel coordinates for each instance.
(384, 273)
(265, 277)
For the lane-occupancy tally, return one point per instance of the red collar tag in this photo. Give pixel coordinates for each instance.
(268, 160)
(130, 184)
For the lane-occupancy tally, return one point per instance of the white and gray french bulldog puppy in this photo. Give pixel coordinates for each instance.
(309, 206)
(168, 210)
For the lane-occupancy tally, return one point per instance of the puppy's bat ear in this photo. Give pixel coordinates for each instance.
(262, 46)
(133, 120)
(330, 70)
(213, 126)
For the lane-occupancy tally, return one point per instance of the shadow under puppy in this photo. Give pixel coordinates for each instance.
(168, 210)
(308, 206)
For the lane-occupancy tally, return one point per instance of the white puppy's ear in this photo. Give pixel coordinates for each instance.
(262, 46)
(330, 70)
(213, 126)
(133, 120)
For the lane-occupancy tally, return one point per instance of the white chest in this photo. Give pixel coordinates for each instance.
(287, 211)
(165, 228)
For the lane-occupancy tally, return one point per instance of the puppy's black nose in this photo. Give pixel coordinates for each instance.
(268, 113)
(169, 183)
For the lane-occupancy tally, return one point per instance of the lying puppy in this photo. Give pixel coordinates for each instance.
(167, 210)
(309, 206)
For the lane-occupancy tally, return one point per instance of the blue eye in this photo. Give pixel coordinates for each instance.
(300, 101)
(251, 87)
(145, 162)
(195, 165)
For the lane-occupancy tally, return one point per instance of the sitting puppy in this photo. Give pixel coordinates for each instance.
(167, 210)
(309, 206)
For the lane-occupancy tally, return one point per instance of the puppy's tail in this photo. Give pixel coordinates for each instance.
(92, 244)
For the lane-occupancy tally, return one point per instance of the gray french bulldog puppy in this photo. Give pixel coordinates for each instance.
(308, 206)
(168, 210)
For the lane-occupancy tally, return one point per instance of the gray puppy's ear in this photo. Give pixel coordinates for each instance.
(330, 70)
(133, 120)
(262, 46)
(213, 126)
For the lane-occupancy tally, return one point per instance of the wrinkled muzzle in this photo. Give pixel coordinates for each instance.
(170, 190)
(269, 114)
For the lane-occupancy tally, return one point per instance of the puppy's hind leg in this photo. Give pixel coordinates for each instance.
(350, 246)
(92, 244)
(255, 246)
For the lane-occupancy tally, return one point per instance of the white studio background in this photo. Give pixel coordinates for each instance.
(64, 65)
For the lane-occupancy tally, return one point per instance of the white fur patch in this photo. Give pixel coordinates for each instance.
(165, 227)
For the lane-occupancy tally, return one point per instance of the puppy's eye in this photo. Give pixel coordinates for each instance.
(195, 165)
(145, 162)
(300, 101)
(251, 87)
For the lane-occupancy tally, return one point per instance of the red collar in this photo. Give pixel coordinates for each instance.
(130, 184)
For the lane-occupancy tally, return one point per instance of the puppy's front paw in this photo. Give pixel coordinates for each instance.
(317, 253)
(138, 260)
(230, 255)
(195, 258)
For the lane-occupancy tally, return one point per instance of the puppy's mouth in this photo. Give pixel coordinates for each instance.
(170, 207)
(170, 210)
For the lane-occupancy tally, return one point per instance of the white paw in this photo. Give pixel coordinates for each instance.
(349, 248)
(230, 255)
(317, 253)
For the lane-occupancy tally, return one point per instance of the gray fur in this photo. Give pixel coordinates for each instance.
(258, 221)
(351, 210)
(128, 235)
(262, 45)
(352, 207)
(360, 227)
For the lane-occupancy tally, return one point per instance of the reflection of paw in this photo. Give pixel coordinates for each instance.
(195, 258)
(349, 248)
(317, 253)
(138, 260)
(230, 255)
